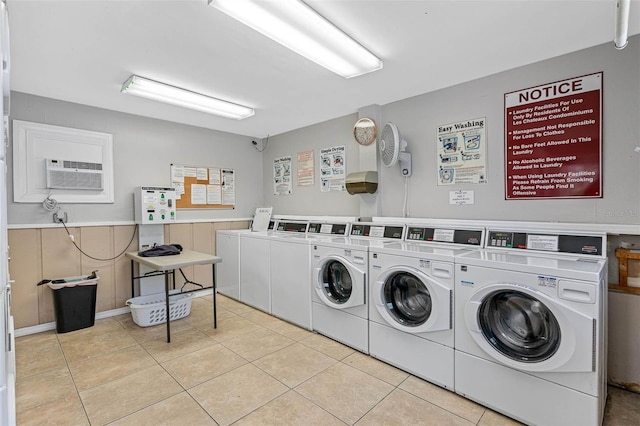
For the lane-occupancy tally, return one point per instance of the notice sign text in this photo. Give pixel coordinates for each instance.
(553, 140)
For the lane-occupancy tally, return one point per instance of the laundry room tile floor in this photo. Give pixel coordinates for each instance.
(253, 370)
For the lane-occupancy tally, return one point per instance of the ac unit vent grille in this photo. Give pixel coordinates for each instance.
(63, 174)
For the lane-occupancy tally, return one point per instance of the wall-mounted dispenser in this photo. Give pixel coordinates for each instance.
(362, 182)
(154, 207)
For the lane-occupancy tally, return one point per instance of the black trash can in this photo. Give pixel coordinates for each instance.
(74, 302)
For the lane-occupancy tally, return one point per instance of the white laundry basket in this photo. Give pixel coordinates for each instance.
(152, 309)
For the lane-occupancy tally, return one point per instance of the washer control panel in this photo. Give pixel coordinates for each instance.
(374, 230)
(471, 237)
(588, 244)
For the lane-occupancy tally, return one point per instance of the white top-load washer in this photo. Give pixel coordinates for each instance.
(339, 268)
(255, 266)
(411, 286)
(228, 271)
(530, 328)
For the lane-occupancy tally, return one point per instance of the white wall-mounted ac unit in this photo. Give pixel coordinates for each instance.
(64, 174)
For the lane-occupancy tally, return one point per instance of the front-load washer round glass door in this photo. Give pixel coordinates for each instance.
(408, 299)
(530, 330)
(411, 301)
(339, 283)
(519, 326)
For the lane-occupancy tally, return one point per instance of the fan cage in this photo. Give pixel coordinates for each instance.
(389, 145)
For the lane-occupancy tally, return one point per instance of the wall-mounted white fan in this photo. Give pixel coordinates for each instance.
(392, 148)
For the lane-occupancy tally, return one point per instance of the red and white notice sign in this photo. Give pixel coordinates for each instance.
(553, 140)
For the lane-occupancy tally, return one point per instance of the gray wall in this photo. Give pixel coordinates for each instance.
(418, 117)
(143, 150)
(308, 200)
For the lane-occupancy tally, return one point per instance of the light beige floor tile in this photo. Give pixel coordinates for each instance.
(345, 392)
(177, 410)
(223, 313)
(101, 326)
(200, 310)
(255, 345)
(46, 393)
(235, 394)
(401, 408)
(122, 317)
(289, 330)
(127, 395)
(376, 368)
(205, 364)
(91, 345)
(491, 418)
(327, 346)
(37, 353)
(229, 328)
(289, 409)
(294, 364)
(43, 388)
(205, 323)
(63, 412)
(108, 367)
(443, 398)
(232, 305)
(261, 318)
(182, 343)
(154, 332)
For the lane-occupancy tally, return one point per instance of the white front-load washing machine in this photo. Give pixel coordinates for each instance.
(530, 326)
(411, 288)
(339, 269)
(290, 275)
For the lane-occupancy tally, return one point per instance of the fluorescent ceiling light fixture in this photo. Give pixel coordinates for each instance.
(298, 27)
(157, 91)
(622, 24)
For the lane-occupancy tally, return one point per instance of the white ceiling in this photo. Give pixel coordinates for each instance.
(83, 50)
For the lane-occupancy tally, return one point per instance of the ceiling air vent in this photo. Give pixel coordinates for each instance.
(63, 174)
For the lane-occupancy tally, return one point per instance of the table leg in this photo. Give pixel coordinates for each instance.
(132, 281)
(215, 317)
(166, 293)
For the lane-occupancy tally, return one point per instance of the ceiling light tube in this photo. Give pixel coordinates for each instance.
(161, 92)
(622, 24)
(298, 27)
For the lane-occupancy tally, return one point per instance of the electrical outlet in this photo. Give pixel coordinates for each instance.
(60, 217)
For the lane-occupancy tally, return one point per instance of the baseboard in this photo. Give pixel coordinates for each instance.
(41, 328)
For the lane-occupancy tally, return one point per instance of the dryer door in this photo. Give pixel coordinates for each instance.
(339, 283)
(411, 301)
(528, 330)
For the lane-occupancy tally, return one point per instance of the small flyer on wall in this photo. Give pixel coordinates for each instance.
(305, 168)
(462, 152)
(228, 187)
(332, 169)
(282, 176)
